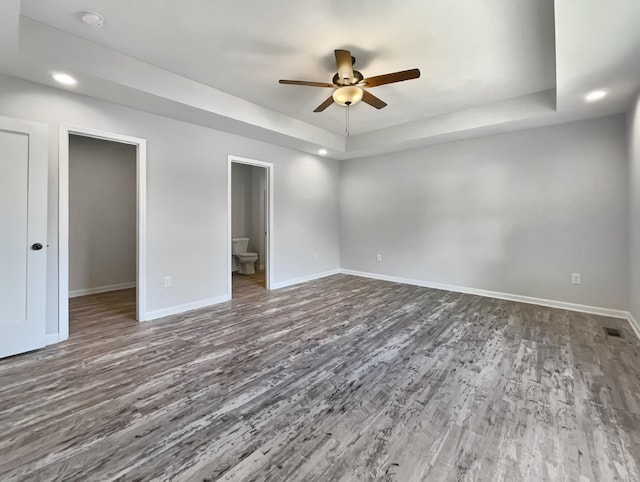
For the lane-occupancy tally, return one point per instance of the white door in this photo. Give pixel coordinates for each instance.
(23, 230)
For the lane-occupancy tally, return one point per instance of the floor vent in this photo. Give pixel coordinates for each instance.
(613, 332)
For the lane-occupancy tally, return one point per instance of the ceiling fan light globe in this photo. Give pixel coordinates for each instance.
(347, 95)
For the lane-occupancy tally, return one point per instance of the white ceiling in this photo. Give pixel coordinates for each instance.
(471, 54)
(487, 66)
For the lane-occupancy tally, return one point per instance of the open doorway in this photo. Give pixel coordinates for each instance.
(102, 212)
(250, 187)
(102, 233)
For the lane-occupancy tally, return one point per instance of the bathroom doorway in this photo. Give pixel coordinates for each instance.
(250, 216)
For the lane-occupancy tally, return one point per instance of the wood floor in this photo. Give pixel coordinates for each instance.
(248, 286)
(104, 313)
(343, 378)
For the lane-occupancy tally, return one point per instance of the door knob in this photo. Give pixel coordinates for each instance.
(36, 247)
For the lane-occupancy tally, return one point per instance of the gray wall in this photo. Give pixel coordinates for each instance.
(514, 213)
(634, 211)
(187, 196)
(258, 214)
(240, 200)
(102, 213)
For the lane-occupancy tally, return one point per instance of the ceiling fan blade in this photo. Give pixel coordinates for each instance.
(324, 105)
(372, 100)
(391, 78)
(304, 82)
(344, 62)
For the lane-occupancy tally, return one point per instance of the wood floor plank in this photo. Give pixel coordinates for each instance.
(342, 378)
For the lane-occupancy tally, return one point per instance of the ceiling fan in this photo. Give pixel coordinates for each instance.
(349, 83)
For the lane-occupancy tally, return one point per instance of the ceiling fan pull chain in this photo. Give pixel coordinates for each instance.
(347, 127)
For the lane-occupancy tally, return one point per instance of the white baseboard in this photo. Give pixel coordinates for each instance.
(634, 324)
(53, 338)
(304, 279)
(593, 310)
(175, 310)
(101, 289)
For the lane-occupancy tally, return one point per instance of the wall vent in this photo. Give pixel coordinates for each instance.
(614, 332)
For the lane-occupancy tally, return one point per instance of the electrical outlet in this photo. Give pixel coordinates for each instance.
(379, 258)
(576, 278)
(167, 281)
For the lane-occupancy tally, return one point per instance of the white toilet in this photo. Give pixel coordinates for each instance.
(245, 260)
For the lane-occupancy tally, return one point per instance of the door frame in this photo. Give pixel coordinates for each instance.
(63, 219)
(268, 222)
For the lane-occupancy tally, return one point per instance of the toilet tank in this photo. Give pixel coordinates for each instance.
(239, 245)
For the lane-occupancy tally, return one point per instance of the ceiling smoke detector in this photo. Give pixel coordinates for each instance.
(92, 18)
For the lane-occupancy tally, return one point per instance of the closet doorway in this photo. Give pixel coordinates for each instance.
(102, 213)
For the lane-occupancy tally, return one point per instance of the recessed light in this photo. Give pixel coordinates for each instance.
(92, 18)
(65, 79)
(322, 152)
(595, 95)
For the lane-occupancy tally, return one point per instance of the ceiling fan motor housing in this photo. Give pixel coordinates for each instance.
(357, 78)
